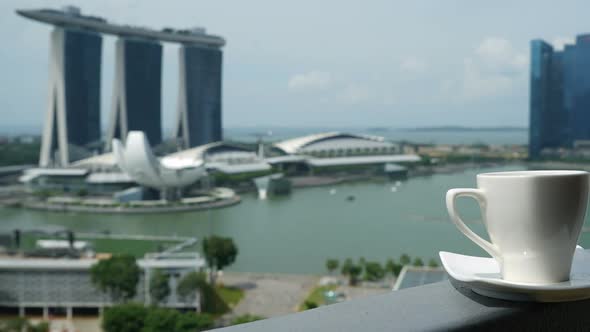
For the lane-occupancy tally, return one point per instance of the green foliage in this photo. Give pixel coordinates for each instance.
(354, 272)
(362, 261)
(404, 259)
(159, 286)
(219, 251)
(317, 296)
(14, 325)
(117, 276)
(82, 193)
(229, 179)
(332, 265)
(20, 324)
(432, 263)
(374, 271)
(418, 262)
(19, 154)
(133, 317)
(192, 322)
(346, 266)
(190, 284)
(246, 318)
(390, 266)
(124, 318)
(309, 305)
(211, 302)
(395, 268)
(39, 327)
(230, 295)
(160, 319)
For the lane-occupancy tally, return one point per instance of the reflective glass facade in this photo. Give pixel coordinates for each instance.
(581, 89)
(143, 87)
(559, 95)
(203, 94)
(82, 65)
(541, 53)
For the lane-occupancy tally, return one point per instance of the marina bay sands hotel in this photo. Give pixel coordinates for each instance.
(73, 124)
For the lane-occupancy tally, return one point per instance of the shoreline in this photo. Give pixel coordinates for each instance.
(297, 182)
(55, 207)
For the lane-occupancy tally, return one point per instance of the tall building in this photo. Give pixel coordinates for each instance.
(73, 118)
(199, 97)
(137, 90)
(579, 74)
(73, 114)
(559, 95)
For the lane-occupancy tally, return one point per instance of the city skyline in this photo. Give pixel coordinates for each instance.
(560, 95)
(279, 71)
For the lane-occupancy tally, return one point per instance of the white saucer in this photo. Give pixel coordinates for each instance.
(482, 275)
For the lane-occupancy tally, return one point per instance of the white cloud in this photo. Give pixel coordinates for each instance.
(413, 65)
(494, 70)
(497, 56)
(313, 80)
(560, 42)
(478, 84)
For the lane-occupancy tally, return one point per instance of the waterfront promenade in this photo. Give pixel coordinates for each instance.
(122, 209)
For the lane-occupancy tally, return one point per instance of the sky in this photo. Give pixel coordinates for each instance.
(329, 63)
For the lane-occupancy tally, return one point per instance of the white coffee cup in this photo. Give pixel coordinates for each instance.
(533, 218)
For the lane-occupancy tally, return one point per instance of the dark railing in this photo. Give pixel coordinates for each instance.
(443, 306)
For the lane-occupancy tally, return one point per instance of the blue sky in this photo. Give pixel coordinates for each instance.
(329, 63)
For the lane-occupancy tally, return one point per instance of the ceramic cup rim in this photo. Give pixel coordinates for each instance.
(533, 174)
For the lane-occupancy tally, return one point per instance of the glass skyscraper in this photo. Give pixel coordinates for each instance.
(73, 116)
(559, 95)
(137, 90)
(82, 57)
(143, 85)
(200, 95)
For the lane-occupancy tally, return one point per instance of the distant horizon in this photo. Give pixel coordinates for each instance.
(22, 129)
(419, 68)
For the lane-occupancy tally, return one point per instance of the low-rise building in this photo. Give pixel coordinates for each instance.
(64, 285)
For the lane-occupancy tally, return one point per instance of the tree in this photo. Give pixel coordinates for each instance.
(195, 282)
(39, 327)
(20, 324)
(246, 318)
(432, 263)
(309, 305)
(193, 322)
(117, 276)
(133, 317)
(404, 259)
(190, 284)
(160, 319)
(390, 266)
(346, 266)
(374, 271)
(354, 272)
(219, 253)
(124, 318)
(14, 325)
(159, 286)
(418, 262)
(332, 264)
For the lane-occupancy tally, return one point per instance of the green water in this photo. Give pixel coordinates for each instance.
(296, 234)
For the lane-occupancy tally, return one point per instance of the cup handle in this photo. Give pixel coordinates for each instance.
(479, 196)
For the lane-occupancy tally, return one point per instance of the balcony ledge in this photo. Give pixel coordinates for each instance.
(443, 306)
